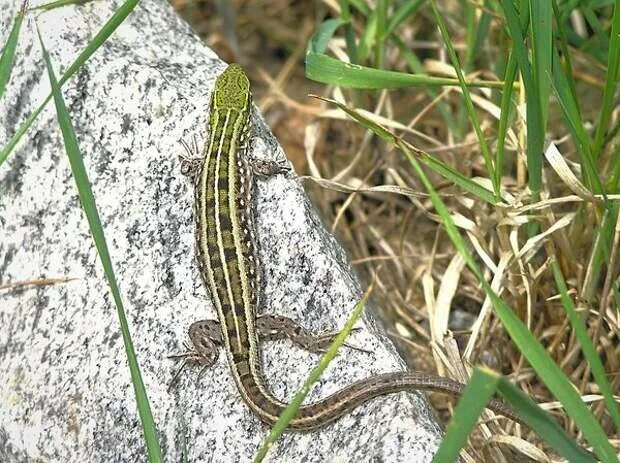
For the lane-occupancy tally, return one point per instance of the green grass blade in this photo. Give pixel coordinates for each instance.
(328, 70)
(289, 413)
(8, 51)
(613, 184)
(108, 28)
(587, 347)
(381, 9)
(87, 200)
(535, 129)
(349, 33)
(367, 39)
(59, 4)
(479, 390)
(481, 34)
(324, 33)
(542, 40)
(482, 385)
(602, 237)
(533, 351)
(540, 421)
(405, 10)
(435, 164)
(593, 21)
(470, 21)
(564, 48)
(484, 146)
(613, 58)
(572, 116)
(457, 178)
(611, 212)
(361, 6)
(509, 77)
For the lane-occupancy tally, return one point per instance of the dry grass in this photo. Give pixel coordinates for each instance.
(425, 289)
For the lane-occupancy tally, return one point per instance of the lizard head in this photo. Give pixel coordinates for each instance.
(232, 89)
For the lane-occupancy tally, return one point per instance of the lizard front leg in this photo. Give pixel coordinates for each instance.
(190, 163)
(274, 327)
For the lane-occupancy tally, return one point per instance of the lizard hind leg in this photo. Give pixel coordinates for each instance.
(206, 338)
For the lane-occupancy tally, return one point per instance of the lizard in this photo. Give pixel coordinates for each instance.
(228, 262)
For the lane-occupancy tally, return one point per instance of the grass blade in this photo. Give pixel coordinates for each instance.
(564, 49)
(535, 129)
(367, 39)
(479, 390)
(380, 34)
(601, 241)
(416, 66)
(87, 200)
(482, 385)
(571, 113)
(540, 421)
(108, 28)
(403, 11)
(328, 70)
(541, 37)
(325, 69)
(59, 4)
(288, 414)
(324, 33)
(438, 166)
(502, 130)
(484, 146)
(587, 347)
(349, 33)
(613, 59)
(480, 33)
(8, 52)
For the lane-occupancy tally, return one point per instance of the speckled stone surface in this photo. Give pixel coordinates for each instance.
(65, 391)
